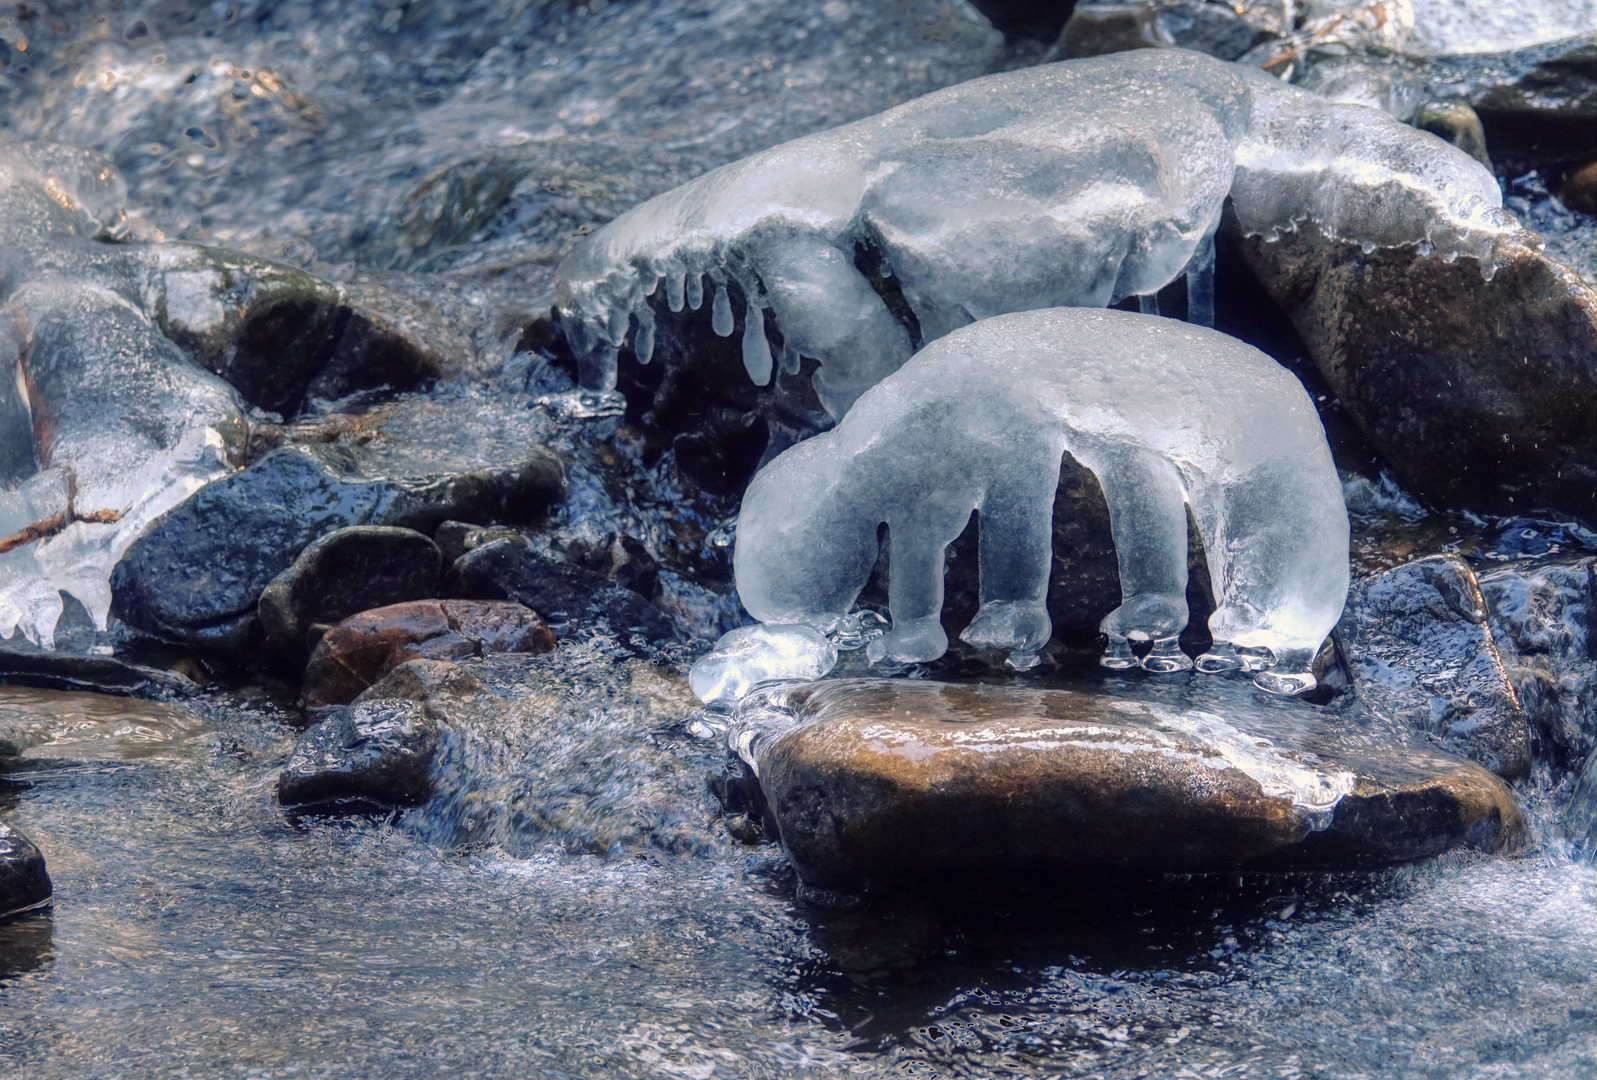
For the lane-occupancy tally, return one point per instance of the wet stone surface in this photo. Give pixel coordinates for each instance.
(363, 648)
(876, 785)
(1417, 644)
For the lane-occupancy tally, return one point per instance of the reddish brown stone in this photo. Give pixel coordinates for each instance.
(365, 647)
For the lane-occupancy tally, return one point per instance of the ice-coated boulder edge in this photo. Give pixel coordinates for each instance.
(127, 370)
(874, 785)
(1165, 415)
(1070, 184)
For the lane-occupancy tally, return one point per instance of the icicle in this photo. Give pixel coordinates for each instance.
(721, 312)
(1200, 285)
(695, 295)
(1148, 304)
(643, 344)
(791, 360)
(756, 350)
(673, 289)
(617, 330)
(649, 278)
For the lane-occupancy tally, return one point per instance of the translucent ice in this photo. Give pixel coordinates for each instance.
(750, 655)
(104, 424)
(1167, 416)
(1071, 184)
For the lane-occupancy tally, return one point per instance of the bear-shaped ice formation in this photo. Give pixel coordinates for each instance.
(1072, 184)
(1165, 414)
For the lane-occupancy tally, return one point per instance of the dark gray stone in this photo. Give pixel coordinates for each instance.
(197, 575)
(569, 597)
(1544, 622)
(24, 884)
(376, 751)
(344, 572)
(1415, 642)
(888, 784)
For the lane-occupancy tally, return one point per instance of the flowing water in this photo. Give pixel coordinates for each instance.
(570, 904)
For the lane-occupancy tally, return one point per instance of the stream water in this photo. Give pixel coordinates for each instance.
(570, 905)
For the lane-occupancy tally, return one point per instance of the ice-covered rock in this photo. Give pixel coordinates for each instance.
(1164, 414)
(1070, 184)
(126, 368)
(876, 785)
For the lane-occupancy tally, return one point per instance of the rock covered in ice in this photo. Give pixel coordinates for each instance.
(124, 372)
(1167, 416)
(1071, 184)
(123, 426)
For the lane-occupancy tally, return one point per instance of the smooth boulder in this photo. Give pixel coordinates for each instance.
(1478, 393)
(886, 784)
(24, 884)
(1544, 622)
(1416, 642)
(378, 751)
(348, 571)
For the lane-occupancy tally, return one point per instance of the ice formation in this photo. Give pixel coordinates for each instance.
(1166, 415)
(1072, 184)
(104, 425)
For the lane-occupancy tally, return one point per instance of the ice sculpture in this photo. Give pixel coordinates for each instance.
(1166, 415)
(104, 425)
(1072, 184)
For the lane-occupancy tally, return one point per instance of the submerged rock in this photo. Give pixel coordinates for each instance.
(569, 597)
(1478, 393)
(376, 751)
(343, 573)
(876, 784)
(24, 884)
(1416, 643)
(1544, 622)
(363, 648)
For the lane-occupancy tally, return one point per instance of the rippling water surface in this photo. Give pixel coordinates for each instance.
(569, 905)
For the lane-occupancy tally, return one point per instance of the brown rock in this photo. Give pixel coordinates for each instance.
(1479, 394)
(879, 784)
(421, 681)
(363, 648)
(1580, 188)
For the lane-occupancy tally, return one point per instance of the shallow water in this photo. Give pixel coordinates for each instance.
(196, 928)
(570, 905)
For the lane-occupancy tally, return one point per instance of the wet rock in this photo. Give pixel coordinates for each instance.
(112, 662)
(376, 751)
(24, 884)
(1416, 644)
(1538, 104)
(1544, 621)
(455, 538)
(1580, 188)
(1097, 29)
(1226, 31)
(363, 648)
(344, 572)
(198, 573)
(1458, 124)
(276, 333)
(422, 681)
(1477, 393)
(878, 785)
(569, 597)
(1037, 20)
